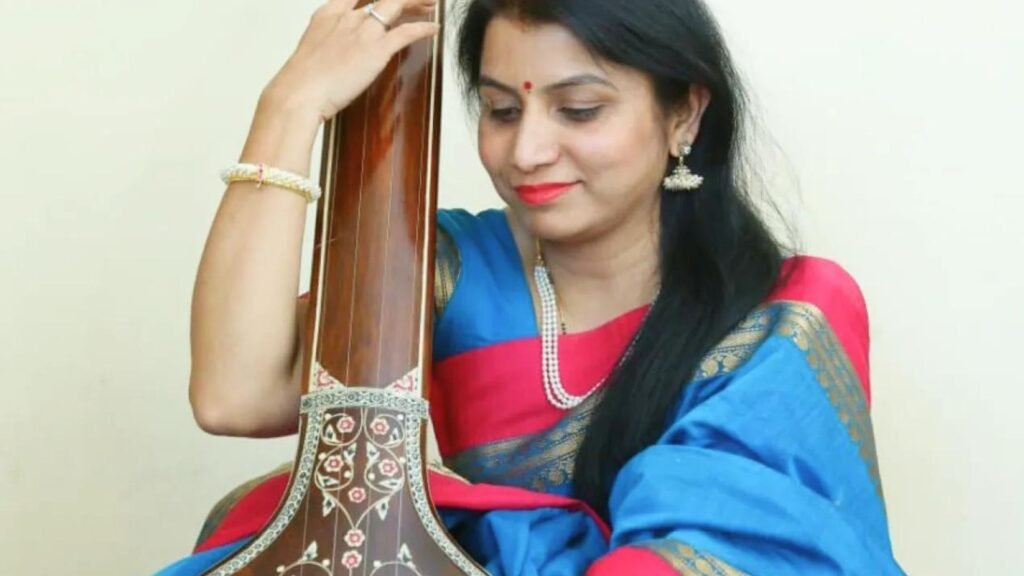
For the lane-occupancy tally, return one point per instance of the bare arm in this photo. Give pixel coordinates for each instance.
(246, 322)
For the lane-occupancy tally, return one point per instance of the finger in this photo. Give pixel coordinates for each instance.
(393, 10)
(405, 34)
(422, 9)
(337, 7)
(326, 17)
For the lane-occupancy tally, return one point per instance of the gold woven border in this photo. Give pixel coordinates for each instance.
(806, 326)
(447, 267)
(540, 462)
(224, 505)
(688, 561)
(739, 345)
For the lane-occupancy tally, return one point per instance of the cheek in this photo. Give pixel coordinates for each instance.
(615, 149)
(599, 150)
(624, 158)
(491, 149)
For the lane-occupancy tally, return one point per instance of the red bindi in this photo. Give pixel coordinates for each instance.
(527, 85)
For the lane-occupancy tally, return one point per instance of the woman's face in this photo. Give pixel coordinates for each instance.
(575, 146)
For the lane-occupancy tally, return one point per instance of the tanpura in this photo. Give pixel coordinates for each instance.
(357, 501)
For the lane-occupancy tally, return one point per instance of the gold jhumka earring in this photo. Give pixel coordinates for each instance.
(682, 178)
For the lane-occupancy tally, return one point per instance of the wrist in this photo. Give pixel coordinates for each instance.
(288, 105)
(282, 135)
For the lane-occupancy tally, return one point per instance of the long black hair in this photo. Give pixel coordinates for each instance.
(719, 260)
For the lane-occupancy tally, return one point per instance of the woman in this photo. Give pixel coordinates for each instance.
(681, 398)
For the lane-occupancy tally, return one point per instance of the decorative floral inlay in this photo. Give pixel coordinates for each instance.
(355, 538)
(410, 383)
(333, 464)
(346, 424)
(357, 495)
(352, 559)
(380, 426)
(310, 559)
(388, 468)
(330, 449)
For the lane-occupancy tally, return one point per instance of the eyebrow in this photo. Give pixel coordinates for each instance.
(570, 82)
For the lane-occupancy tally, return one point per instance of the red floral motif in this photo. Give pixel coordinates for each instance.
(352, 559)
(333, 463)
(357, 495)
(380, 426)
(388, 468)
(355, 538)
(404, 384)
(324, 379)
(346, 424)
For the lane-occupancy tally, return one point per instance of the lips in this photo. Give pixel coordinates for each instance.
(538, 194)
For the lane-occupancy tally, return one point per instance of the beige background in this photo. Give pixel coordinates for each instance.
(899, 130)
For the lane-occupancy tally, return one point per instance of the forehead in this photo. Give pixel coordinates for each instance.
(515, 51)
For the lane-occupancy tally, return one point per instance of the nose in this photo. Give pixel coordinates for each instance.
(536, 143)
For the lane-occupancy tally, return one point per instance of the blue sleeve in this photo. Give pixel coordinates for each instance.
(490, 300)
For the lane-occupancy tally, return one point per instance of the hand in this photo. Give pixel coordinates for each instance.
(342, 52)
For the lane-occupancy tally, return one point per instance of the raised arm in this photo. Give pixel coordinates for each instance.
(246, 322)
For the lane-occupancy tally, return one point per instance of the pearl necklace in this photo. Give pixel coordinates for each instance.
(555, 392)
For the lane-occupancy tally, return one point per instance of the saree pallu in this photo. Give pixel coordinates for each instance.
(766, 465)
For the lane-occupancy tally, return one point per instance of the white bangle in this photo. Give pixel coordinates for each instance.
(262, 174)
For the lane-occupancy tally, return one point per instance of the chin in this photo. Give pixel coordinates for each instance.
(552, 222)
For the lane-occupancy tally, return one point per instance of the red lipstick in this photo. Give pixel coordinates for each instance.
(538, 194)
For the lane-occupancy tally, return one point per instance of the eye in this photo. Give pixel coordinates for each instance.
(503, 115)
(581, 114)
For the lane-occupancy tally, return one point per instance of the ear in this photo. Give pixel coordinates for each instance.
(684, 122)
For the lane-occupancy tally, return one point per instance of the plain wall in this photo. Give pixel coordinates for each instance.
(891, 137)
